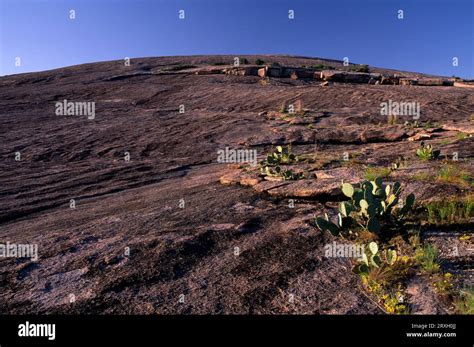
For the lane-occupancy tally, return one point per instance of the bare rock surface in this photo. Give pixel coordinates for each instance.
(171, 230)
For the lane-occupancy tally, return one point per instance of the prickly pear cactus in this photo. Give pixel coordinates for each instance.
(372, 206)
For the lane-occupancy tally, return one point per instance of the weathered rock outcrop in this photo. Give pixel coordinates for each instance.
(348, 76)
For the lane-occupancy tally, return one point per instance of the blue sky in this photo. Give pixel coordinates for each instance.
(367, 31)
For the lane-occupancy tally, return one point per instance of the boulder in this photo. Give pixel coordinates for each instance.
(408, 82)
(430, 82)
(274, 71)
(390, 79)
(262, 72)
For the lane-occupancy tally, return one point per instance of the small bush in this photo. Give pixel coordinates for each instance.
(426, 152)
(259, 62)
(361, 68)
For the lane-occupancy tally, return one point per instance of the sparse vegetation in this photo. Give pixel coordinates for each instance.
(462, 136)
(361, 68)
(280, 156)
(321, 67)
(259, 62)
(453, 175)
(380, 275)
(465, 302)
(450, 211)
(371, 172)
(415, 124)
(287, 175)
(271, 165)
(427, 258)
(422, 176)
(426, 152)
(443, 282)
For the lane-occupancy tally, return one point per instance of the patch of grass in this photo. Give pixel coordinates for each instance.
(450, 211)
(371, 173)
(422, 176)
(462, 136)
(453, 175)
(445, 142)
(427, 258)
(465, 303)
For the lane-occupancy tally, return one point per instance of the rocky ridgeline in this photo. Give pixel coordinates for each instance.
(330, 75)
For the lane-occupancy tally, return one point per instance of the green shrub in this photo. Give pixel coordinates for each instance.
(426, 152)
(361, 68)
